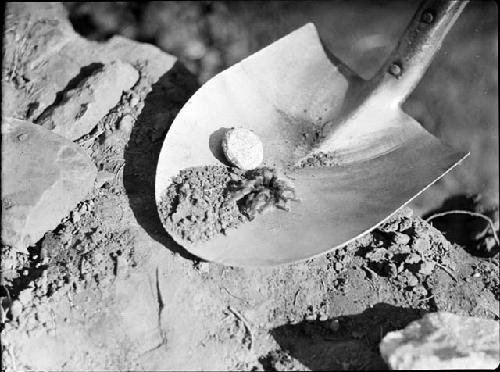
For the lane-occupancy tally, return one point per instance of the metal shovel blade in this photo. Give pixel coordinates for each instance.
(290, 93)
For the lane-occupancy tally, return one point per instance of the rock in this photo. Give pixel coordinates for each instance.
(32, 33)
(25, 296)
(242, 148)
(45, 54)
(334, 325)
(43, 177)
(444, 341)
(422, 246)
(134, 101)
(427, 268)
(400, 238)
(126, 123)
(81, 108)
(310, 317)
(203, 267)
(102, 178)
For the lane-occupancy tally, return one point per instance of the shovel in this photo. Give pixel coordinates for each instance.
(301, 100)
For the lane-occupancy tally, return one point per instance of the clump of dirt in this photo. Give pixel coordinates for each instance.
(320, 159)
(401, 253)
(205, 201)
(194, 207)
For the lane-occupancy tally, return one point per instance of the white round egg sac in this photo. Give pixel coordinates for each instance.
(243, 148)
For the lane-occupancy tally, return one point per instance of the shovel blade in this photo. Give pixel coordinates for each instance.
(286, 93)
(338, 204)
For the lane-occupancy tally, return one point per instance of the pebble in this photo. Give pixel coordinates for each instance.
(243, 148)
(476, 275)
(203, 267)
(126, 123)
(490, 244)
(43, 316)
(420, 290)
(427, 268)
(334, 325)
(310, 317)
(134, 101)
(422, 245)
(103, 177)
(400, 238)
(413, 258)
(412, 281)
(16, 309)
(75, 216)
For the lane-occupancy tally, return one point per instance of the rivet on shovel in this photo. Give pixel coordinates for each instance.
(427, 17)
(396, 70)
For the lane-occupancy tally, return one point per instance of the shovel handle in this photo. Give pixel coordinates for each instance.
(418, 45)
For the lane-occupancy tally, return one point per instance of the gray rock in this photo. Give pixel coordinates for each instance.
(444, 341)
(43, 177)
(82, 107)
(126, 123)
(45, 55)
(31, 34)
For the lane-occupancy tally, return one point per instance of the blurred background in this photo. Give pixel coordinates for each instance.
(457, 100)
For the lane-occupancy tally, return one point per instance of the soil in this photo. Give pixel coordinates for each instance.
(202, 202)
(326, 313)
(195, 206)
(320, 159)
(109, 289)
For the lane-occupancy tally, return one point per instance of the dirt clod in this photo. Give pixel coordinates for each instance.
(320, 159)
(205, 201)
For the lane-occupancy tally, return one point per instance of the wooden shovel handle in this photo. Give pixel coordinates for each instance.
(417, 46)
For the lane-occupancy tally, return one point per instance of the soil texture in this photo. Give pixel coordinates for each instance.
(205, 201)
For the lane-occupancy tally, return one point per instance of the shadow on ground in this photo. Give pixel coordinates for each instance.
(354, 345)
(161, 105)
(465, 230)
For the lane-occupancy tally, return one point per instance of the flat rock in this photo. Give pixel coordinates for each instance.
(82, 107)
(444, 341)
(43, 177)
(31, 34)
(44, 57)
